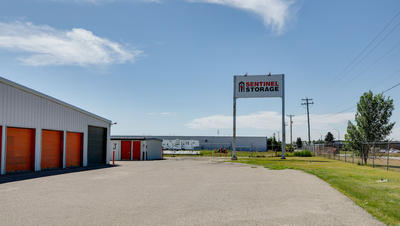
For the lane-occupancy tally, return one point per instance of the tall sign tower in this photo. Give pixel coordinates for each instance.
(259, 86)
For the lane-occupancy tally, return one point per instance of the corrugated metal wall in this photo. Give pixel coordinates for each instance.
(19, 108)
(22, 109)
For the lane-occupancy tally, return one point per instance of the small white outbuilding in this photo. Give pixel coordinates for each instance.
(136, 148)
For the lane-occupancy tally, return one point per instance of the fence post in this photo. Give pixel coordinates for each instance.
(333, 153)
(387, 161)
(373, 155)
(362, 154)
(353, 156)
(326, 152)
(345, 156)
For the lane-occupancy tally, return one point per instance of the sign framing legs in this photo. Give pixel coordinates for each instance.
(234, 120)
(259, 86)
(283, 119)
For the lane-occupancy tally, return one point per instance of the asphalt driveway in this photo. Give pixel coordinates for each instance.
(178, 192)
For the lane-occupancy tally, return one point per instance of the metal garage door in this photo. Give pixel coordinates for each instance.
(126, 150)
(20, 153)
(97, 145)
(136, 150)
(74, 149)
(52, 149)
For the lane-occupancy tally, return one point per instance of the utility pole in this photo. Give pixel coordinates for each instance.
(291, 131)
(307, 101)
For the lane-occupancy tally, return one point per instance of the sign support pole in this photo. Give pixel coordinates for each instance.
(234, 120)
(283, 119)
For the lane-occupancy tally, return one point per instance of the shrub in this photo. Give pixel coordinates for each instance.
(305, 153)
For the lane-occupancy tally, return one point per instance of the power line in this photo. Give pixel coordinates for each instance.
(398, 84)
(376, 61)
(349, 108)
(307, 102)
(385, 91)
(359, 55)
(346, 109)
(377, 45)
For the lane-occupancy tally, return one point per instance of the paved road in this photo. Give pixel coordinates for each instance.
(178, 192)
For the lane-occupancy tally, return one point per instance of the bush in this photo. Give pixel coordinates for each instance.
(305, 153)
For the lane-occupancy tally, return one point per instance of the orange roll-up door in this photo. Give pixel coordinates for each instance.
(20, 153)
(136, 150)
(125, 150)
(52, 149)
(74, 149)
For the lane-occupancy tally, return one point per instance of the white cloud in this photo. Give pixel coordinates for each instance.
(265, 120)
(271, 122)
(45, 45)
(275, 13)
(161, 113)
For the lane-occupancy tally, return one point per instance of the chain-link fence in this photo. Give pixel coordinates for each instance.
(375, 154)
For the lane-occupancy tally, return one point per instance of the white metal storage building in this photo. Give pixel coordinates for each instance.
(40, 132)
(136, 148)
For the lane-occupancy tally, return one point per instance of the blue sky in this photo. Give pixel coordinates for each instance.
(165, 67)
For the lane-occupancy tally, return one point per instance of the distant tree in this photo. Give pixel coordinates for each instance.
(372, 122)
(273, 144)
(269, 143)
(289, 147)
(329, 138)
(319, 141)
(299, 142)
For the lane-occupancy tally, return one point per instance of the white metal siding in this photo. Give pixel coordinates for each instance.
(154, 151)
(22, 109)
(19, 108)
(143, 150)
(117, 150)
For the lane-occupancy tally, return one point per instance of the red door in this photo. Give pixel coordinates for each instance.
(52, 149)
(136, 150)
(74, 150)
(125, 150)
(20, 154)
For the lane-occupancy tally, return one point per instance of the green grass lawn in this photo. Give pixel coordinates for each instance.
(362, 184)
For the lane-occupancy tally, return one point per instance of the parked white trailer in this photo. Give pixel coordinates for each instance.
(178, 144)
(167, 145)
(189, 144)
